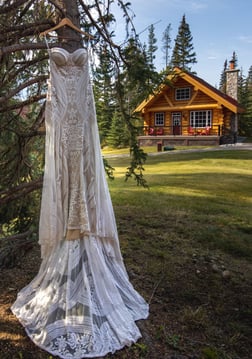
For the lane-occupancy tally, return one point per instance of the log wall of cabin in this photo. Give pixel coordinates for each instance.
(219, 118)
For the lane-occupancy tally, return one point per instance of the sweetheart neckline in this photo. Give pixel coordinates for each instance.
(67, 52)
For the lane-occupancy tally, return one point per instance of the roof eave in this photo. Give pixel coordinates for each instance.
(212, 93)
(220, 99)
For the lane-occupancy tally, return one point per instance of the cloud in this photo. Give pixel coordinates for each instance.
(189, 5)
(198, 5)
(245, 39)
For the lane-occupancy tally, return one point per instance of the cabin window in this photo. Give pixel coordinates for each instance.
(182, 94)
(159, 118)
(200, 118)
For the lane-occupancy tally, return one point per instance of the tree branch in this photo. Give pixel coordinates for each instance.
(32, 27)
(24, 46)
(19, 88)
(18, 235)
(5, 9)
(11, 75)
(57, 7)
(19, 191)
(23, 103)
(94, 23)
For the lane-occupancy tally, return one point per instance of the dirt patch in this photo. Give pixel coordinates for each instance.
(200, 305)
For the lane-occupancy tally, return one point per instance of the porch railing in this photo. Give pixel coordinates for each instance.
(215, 130)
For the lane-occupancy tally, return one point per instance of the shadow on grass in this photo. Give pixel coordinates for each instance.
(213, 209)
(173, 156)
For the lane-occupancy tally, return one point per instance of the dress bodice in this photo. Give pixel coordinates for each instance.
(62, 57)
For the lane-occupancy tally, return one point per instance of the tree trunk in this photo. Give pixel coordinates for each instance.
(71, 39)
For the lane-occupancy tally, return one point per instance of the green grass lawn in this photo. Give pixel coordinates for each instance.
(204, 197)
(180, 238)
(186, 244)
(148, 149)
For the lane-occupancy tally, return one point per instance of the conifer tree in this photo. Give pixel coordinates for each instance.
(103, 92)
(183, 55)
(118, 135)
(152, 47)
(166, 40)
(223, 78)
(245, 99)
(138, 77)
(234, 59)
(133, 84)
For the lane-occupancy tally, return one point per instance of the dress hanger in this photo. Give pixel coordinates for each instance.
(66, 22)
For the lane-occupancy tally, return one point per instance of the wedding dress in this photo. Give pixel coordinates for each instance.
(81, 303)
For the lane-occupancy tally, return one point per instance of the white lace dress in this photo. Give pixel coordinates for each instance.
(81, 303)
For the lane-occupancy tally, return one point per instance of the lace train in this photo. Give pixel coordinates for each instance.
(81, 303)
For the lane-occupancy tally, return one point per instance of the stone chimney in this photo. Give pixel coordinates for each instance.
(232, 81)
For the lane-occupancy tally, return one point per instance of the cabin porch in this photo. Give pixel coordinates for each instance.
(171, 136)
(179, 140)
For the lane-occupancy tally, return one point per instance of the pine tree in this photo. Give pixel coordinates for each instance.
(223, 78)
(118, 135)
(138, 76)
(183, 55)
(234, 59)
(245, 99)
(152, 47)
(22, 87)
(166, 39)
(104, 92)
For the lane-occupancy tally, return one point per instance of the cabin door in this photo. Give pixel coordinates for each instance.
(176, 123)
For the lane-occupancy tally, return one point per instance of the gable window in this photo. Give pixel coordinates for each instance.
(159, 118)
(182, 93)
(201, 118)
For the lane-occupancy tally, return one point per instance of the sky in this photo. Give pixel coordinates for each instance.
(218, 28)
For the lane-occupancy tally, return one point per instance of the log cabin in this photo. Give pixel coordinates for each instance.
(187, 110)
